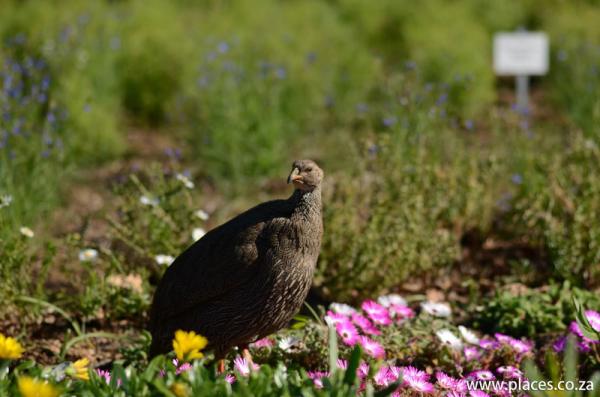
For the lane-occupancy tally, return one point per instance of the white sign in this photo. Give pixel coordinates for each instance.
(520, 54)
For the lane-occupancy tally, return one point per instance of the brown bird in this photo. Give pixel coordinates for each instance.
(248, 277)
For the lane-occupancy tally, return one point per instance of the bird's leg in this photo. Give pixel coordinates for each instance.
(221, 366)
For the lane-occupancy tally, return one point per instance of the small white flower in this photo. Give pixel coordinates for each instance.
(185, 180)
(88, 255)
(391, 299)
(146, 200)
(164, 259)
(287, 343)
(468, 335)
(27, 232)
(436, 309)
(342, 308)
(448, 338)
(201, 214)
(197, 233)
(5, 200)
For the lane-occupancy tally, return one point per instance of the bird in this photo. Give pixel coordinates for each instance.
(246, 278)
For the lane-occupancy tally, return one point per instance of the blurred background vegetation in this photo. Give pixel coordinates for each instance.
(427, 160)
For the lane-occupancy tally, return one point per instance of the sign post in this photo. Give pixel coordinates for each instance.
(521, 54)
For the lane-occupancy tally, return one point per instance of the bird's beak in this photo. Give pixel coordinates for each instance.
(294, 176)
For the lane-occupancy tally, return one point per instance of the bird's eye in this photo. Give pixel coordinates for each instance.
(308, 169)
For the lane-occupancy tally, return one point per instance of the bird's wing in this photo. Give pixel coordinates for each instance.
(222, 260)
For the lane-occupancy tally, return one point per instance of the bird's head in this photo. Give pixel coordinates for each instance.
(306, 175)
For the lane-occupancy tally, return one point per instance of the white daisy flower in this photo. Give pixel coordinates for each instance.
(448, 338)
(436, 309)
(342, 308)
(197, 233)
(5, 200)
(391, 299)
(201, 214)
(88, 255)
(147, 200)
(185, 180)
(164, 259)
(286, 343)
(27, 232)
(468, 335)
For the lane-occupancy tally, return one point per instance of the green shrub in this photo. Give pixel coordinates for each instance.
(75, 41)
(255, 102)
(420, 32)
(557, 205)
(403, 208)
(465, 67)
(152, 63)
(532, 313)
(575, 68)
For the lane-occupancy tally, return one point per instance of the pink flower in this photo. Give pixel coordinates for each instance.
(574, 328)
(559, 344)
(478, 393)
(454, 393)
(416, 379)
(372, 307)
(521, 347)
(348, 332)
(332, 318)
(471, 353)
(445, 381)
(181, 368)
(104, 374)
(584, 346)
(502, 338)
(372, 348)
(518, 345)
(482, 375)
(362, 371)
(460, 386)
(342, 364)
(510, 372)
(381, 318)
(412, 372)
(502, 390)
(229, 379)
(395, 372)
(364, 324)
(593, 318)
(383, 377)
(264, 342)
(317, 378)
(243, 366)
(488, 344)
(418, 383)
(401, 312)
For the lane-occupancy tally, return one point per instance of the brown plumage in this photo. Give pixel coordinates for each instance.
(248, 277)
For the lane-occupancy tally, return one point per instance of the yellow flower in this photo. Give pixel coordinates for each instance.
(10, 348)
(187, 345)
(79, 369)
(29, 387)
(179, 389)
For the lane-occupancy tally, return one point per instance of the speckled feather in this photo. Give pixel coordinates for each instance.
(244, 279)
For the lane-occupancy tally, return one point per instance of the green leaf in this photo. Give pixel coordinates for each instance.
(584, 325)
(353, 363)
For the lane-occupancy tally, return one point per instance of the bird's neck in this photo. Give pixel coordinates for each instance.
(307, 204)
